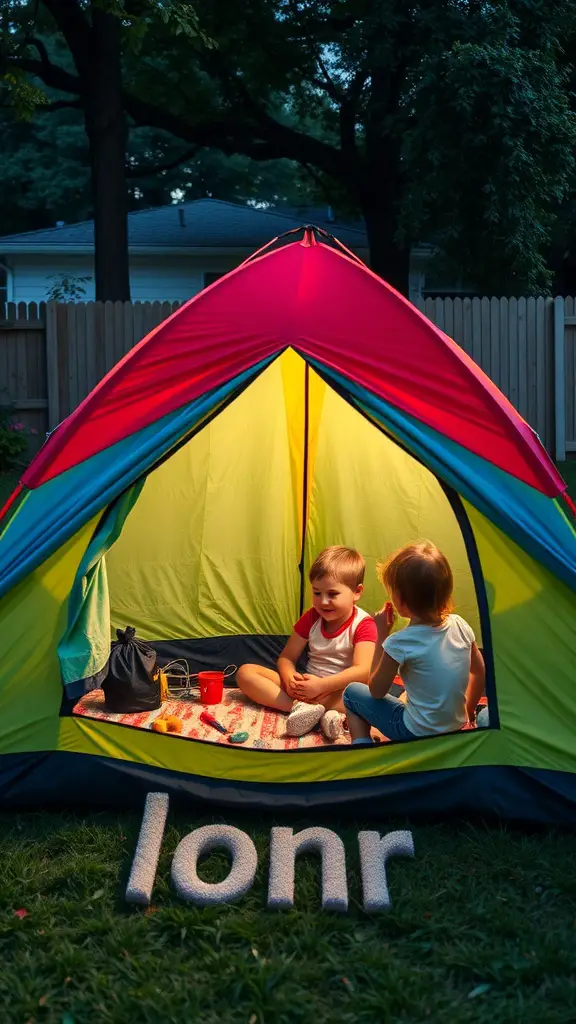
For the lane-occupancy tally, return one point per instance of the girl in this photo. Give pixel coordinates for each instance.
(436, 655)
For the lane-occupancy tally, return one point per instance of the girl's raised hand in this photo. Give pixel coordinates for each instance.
(385, 620)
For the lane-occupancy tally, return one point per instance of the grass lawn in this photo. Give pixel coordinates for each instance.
(482, 929)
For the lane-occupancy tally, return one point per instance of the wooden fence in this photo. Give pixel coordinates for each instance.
(51, 356)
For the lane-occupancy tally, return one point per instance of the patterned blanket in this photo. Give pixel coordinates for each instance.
(266, 728)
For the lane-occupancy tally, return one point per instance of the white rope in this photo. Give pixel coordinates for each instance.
(181, 671)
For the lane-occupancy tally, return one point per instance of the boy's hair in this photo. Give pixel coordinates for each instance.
(343, 564)
(421, 577)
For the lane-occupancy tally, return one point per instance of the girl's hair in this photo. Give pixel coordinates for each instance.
(343, 564)
(421, 577)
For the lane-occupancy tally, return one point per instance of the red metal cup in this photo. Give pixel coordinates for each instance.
(211, 687)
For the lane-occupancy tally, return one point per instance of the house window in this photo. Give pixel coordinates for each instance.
(209, 278)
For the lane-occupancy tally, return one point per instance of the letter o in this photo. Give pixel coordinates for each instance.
(203, 840)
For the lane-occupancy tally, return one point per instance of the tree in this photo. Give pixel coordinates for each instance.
(90, 51)
(45, 172)
(449, 118)
(88, 43)
(438, 119)
(442, 120)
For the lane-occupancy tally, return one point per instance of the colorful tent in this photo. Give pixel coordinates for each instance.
(298, 402)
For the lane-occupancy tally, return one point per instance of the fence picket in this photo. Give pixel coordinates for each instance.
(458, 323)
(540, 368)
(109, 335)
(72, 347)
(467, 326)
(485, 355)
(570, 371)
(118, 331)
(449, 317)
(91, 372)
(128, 315)
(502, 352)
(494, 348)
(513, 343)
(522, 359)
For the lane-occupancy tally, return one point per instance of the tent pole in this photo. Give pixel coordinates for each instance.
(304, 485)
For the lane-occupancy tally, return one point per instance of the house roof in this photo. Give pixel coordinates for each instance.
(202, 224)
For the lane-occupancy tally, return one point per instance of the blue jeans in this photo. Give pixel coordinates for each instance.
(384, 713)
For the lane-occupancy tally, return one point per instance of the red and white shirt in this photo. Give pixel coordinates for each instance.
(329, 653)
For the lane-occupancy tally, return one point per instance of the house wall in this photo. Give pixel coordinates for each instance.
(160, 278)
(152, 278)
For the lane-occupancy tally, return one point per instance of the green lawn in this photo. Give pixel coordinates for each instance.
(482, 928)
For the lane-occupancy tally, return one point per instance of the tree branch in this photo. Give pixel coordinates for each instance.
(48, 108)
(39, 46)
(321, 28)
(75, 28)
(268, 139)
(258, 136)
(52, 75)
(330, 86)
(358, 82)
(320, 181)
(143, 172)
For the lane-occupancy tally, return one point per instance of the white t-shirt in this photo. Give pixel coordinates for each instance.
(434, 665)
(330, 653)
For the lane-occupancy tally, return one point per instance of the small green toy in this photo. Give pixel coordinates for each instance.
(238, 737)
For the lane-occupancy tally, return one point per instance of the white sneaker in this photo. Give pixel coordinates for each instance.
(303, 718)
(332, 725)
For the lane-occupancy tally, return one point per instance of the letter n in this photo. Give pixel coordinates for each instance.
(284, 846)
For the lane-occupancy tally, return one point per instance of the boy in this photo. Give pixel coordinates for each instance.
(341, 640)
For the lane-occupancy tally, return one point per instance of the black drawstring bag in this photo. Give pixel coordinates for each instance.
(129, 686)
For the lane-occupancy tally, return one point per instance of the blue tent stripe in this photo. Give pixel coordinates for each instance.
(526, 515)
(55, 511)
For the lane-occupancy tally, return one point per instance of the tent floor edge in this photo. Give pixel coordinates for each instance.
(60, 780)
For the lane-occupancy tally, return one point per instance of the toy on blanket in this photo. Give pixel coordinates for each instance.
(235, 737)
(238, 737)
(172, 724)
(209, 719)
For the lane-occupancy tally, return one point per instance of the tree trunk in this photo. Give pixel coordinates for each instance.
(107, 135)
(388, 259)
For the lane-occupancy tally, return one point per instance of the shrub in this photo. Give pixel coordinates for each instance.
(13, 441)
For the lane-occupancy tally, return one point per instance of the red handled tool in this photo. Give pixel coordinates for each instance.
(208, 719)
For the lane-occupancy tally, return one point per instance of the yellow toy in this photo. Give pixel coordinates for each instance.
(172, 724)
(162, 679)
